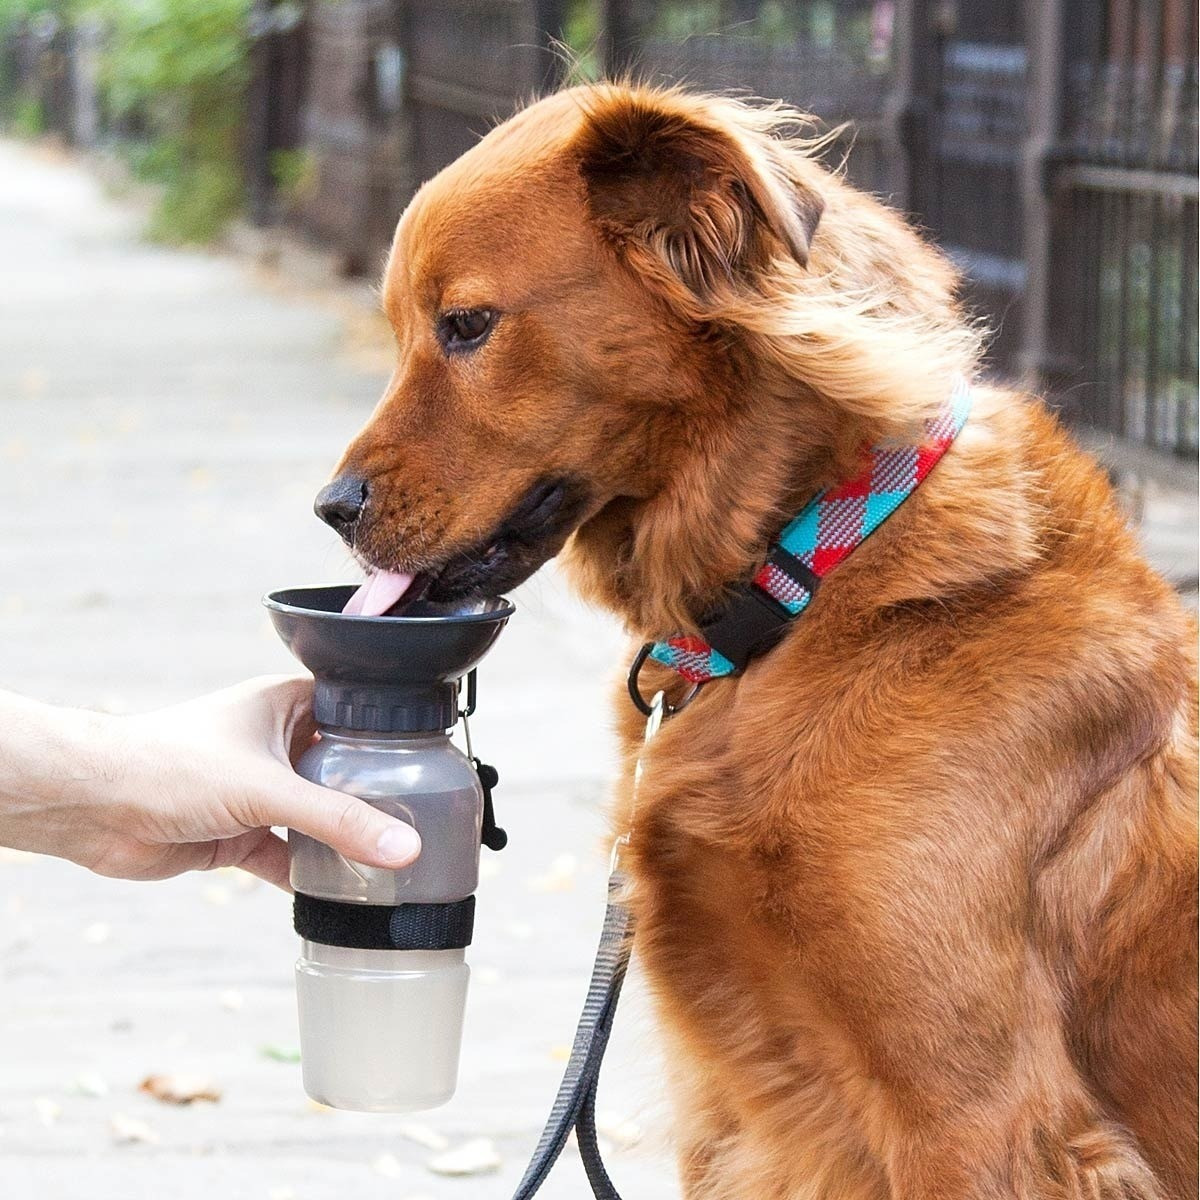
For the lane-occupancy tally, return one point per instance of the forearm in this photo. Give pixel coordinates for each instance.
(53, 761)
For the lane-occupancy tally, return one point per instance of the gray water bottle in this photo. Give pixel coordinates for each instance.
(381, 981)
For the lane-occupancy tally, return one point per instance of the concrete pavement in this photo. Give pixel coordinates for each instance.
(167, 418)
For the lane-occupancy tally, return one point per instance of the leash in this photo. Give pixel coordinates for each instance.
(575, 1104)
(754, 617)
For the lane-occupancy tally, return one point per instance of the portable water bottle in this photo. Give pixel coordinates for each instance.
(381, 981)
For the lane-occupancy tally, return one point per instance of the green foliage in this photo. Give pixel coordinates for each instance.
(26, 118)
(178, 70)
(581, 39)
(294, 173)
(12, 11)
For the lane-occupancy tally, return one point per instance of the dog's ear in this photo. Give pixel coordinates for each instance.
(688, 197)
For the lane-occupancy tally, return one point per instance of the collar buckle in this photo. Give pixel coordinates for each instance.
(748, 624)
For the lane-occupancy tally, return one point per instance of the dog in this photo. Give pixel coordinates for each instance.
(916, 889)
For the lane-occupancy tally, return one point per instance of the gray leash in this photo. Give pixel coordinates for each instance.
(575, 1104)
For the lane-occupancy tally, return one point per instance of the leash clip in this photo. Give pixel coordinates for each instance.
(618, 847)
(640, 702)
(656, 712)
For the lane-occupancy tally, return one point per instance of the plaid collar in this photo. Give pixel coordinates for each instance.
(832, 524)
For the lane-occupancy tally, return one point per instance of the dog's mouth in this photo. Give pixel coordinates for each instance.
(532, 533)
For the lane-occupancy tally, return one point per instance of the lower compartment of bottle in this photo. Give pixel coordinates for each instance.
(380, 1030)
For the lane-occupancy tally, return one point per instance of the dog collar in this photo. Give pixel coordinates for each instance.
(832, 525)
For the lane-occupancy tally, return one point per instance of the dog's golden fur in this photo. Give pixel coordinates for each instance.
(917, 892)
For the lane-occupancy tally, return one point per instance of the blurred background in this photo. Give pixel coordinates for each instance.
(195, 201)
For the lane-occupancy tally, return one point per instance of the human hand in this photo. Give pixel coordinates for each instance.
(190, 787)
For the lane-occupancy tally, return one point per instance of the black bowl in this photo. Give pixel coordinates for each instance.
(431, 643)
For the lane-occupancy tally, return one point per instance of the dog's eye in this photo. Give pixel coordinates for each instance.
(465, 328)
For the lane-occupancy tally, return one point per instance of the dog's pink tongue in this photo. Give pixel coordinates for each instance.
(381, 590)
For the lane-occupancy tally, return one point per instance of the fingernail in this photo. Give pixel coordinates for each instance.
(399, 843)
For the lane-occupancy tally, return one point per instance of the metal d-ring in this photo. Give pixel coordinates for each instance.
(644, 706)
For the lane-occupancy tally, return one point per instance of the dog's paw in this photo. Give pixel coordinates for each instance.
(1100, 1163)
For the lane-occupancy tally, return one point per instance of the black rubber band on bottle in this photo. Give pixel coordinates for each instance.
(385, 926)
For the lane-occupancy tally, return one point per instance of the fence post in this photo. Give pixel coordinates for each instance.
(909, 108)
(617, 36)
(1039, 356)
(260, 185)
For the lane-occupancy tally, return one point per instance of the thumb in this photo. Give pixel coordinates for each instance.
(350, 825)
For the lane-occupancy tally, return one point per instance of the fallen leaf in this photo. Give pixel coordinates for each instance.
(130, 1130)
(479, 1156)
(97, 933)
(423, 1135)
(285, 1054)
(129, 420)
(559, 878)
(88, 1083)
(33, 381)
(389, 1166)
(180, 1089)
(621, 1131)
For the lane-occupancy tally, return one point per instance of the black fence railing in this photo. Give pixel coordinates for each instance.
(1051, 148)
(1125, 186)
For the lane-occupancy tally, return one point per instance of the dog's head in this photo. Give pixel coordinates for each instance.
(565, 300)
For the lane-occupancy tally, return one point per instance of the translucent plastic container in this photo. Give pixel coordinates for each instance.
(380, 1030)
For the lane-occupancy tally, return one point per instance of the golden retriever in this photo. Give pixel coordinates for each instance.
(916, 891)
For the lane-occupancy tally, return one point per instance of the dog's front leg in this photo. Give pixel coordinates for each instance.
(959, 1060)
(886, 1033)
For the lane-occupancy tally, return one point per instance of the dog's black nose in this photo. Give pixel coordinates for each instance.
(339, 503)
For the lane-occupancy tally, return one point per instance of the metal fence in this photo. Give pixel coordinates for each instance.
(399, 88)
(1050, 146)
(1124, 187)
(831, 60)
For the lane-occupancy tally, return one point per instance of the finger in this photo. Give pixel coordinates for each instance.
(275, 707)
(266, 857)
(351, 826)
(300, 727)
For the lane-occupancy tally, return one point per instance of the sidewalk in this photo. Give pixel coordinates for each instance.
(168, 418)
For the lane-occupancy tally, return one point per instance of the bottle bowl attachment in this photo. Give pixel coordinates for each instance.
(385, 674)
(430, 643)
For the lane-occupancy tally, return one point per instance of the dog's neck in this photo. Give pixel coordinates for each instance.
(662, 563)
